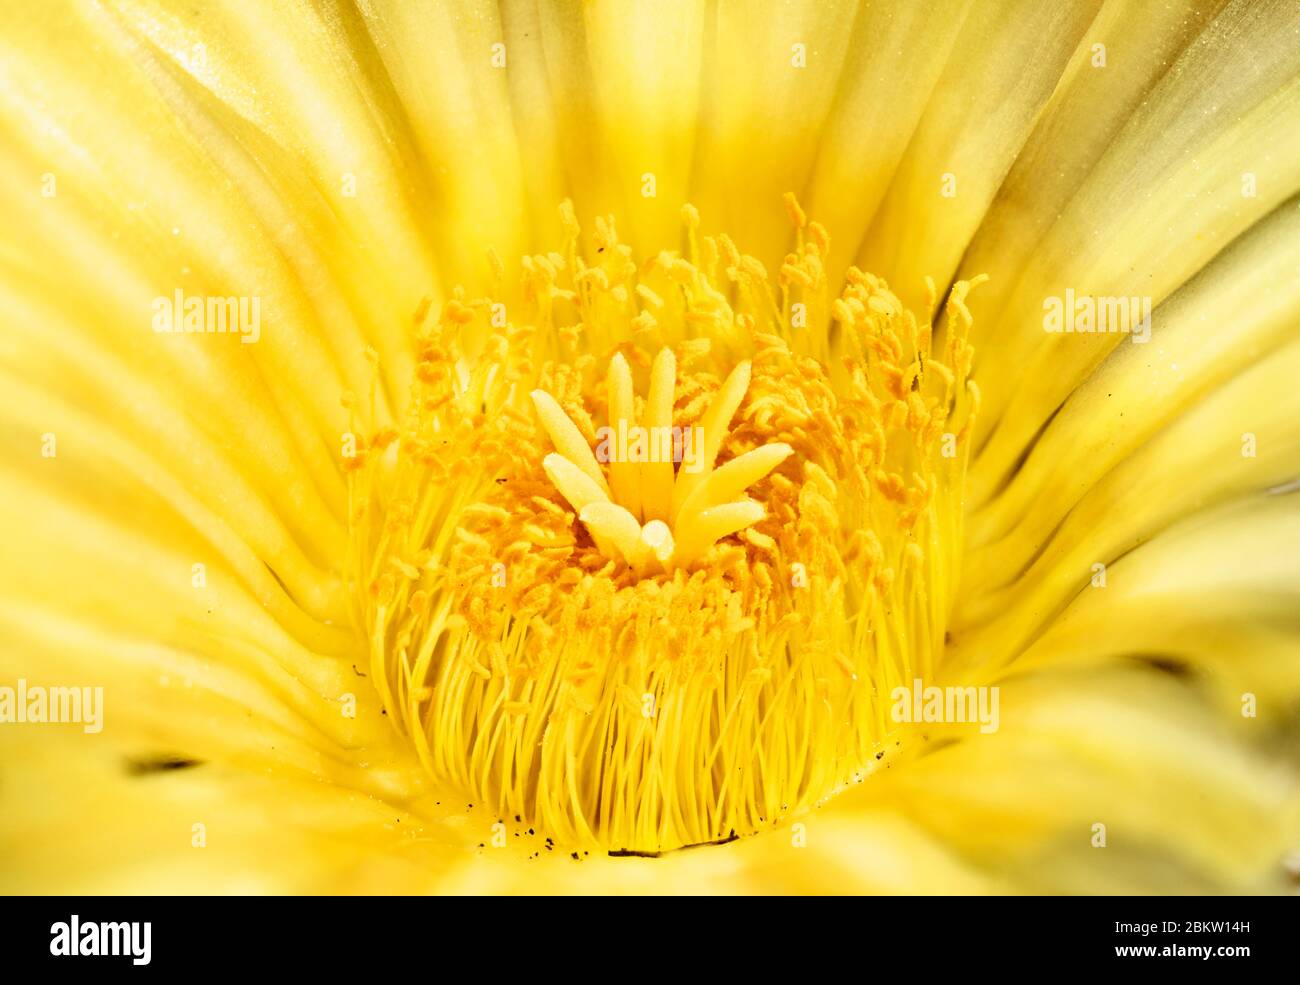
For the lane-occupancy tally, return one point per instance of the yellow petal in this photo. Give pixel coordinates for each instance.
(1170, 189)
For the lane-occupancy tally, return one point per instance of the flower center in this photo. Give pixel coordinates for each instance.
(647, 514)
(664, 603)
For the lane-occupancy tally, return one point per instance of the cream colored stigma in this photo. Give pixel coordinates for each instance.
(646, 512)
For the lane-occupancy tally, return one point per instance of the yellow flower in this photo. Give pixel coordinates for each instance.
(442, 456)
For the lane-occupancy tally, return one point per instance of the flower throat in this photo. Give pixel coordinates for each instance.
(643, 564)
